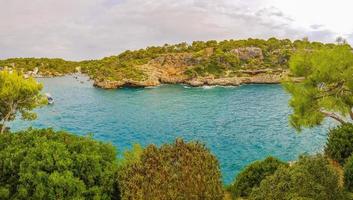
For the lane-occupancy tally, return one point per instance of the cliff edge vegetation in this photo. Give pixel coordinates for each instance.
(228, 62)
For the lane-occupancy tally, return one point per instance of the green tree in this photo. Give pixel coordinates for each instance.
(340, 40)
(348, 174)
(326, 88)
(18, 96)
(311, 177)
(253, 174)
(173, 171)
(131, 156)
(339, 145)
(44, 164)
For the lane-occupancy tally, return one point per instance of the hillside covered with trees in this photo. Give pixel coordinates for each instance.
(228, 62)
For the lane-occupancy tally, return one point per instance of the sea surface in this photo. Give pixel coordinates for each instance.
(238, 124)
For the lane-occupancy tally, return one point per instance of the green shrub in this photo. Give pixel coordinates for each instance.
(173, 171)
(340, 143)
(348, 174)
(44, 164)
(253, 174)
(311, 177)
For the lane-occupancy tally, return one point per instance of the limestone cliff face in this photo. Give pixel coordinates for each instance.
(171, 69)
(247, 53)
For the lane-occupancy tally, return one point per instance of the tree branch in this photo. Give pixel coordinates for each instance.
(3, 125)
(6, 118)
(333, 116)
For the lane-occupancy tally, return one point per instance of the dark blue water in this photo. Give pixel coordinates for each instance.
(238, 124)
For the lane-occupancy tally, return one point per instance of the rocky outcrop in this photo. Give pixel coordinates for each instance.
(260, 78)
(176, 60)
(171, 68)
(247, 53)
(107, 84)
(256, 77)
(234, 81)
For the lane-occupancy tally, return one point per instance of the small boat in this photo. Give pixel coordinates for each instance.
(49, 98)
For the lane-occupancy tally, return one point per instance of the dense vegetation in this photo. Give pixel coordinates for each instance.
(326, 89)
(253, 174)
(311, 177)
(43, 164)
(173, 171)
(202, 59)
(340, 143)
(348, 174)
(18, 96)
(47, 66)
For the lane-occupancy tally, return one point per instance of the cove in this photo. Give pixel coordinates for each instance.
(238, 124)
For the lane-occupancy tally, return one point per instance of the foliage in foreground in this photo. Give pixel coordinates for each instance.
(173, 171)
(311, 177)
(339, 144)
(18, 96)
(253, 174)
(43, 164)
(348, 174)
(326, 89)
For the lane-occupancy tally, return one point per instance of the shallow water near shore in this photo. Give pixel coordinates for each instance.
(238, 124)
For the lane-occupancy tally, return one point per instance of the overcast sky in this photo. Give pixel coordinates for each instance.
(88, 29)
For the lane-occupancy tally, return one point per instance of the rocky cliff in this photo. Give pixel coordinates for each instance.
(172, 69)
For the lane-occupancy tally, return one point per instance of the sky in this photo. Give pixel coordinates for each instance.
(91, 29)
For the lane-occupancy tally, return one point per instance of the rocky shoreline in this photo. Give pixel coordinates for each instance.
(173, 68)
(159, 77)
(179, 68)
(254, 77)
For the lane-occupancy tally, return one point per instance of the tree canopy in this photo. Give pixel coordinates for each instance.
(325, 88)
(45, 164)
(253, 174)
(18, 96)
(173, 171)
(311, 177)
(339, 145)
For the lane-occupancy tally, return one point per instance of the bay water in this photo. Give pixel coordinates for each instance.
(238, 124)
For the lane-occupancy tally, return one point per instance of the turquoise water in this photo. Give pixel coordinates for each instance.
(239, 124)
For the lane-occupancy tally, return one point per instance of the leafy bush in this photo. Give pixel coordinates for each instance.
(253, 174)
(348, 174)
(44, 164)
(340, 143)
(173, 171)
(311, 177)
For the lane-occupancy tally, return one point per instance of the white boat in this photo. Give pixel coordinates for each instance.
(49, 98)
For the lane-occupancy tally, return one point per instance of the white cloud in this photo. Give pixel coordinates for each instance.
(82, 29)
(333, 15)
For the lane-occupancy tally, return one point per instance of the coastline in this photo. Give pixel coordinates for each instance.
(263, 77)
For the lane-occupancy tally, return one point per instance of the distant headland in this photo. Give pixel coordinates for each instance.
(226, 63)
